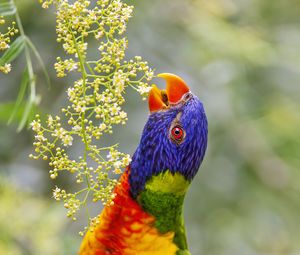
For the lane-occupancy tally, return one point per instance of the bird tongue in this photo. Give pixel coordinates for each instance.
(160, 99)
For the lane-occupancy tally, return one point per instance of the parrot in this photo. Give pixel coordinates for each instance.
(146, 216)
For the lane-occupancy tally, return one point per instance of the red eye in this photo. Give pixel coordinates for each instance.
(177, 133)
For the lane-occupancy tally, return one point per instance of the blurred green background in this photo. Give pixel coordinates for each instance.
(242, 58)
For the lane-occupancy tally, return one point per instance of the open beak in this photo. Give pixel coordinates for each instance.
(162, 99)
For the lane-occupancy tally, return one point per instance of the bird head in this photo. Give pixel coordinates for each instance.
(174, 137)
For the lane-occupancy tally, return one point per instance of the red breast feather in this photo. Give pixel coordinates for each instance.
(125, 229)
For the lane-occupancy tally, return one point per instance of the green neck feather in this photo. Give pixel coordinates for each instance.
(163, 197)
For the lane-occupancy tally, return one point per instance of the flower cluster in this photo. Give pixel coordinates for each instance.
(95, 99)
(5, 39)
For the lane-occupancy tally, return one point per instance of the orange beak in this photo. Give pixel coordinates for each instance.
(160, 99)
(155, 99)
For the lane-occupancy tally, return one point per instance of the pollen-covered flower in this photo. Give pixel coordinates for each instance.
(119, 81)
(102, 126)
(117, 166)
(67, 140)
(126, 160)
(144, 90)
(59, 133)
(57, 193)
(5, 69)
(35, 125)
(50, 121)
(4, 45)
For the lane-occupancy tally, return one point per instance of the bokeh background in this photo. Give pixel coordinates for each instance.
(242, 58)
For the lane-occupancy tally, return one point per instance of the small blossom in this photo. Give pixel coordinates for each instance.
(3, 45)
(102, 126)
(144, 90)
(117, 171)
(67, 140)
(35, 125)
(117, 164)
(126, 161)
(6, 68)
(57, 193)
(60, 133)
(123, 115)
(76, 128)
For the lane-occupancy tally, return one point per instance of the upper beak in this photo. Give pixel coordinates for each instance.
(161, 99)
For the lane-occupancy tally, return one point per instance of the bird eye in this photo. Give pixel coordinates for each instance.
(177, 134)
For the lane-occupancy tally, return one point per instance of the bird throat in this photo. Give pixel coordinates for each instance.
(163, 198)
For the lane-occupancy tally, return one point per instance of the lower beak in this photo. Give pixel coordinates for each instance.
(155, 100)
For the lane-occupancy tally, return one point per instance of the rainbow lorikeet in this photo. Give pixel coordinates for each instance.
(146, 215)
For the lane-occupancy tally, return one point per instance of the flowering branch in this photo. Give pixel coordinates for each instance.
(5, 39)
(13, 50)
(95, 99)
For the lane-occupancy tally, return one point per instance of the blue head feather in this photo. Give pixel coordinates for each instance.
(157, 152)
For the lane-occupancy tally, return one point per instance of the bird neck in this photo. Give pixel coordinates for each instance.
(163, 198)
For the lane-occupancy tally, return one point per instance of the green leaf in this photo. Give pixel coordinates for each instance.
(21, 94)
(39, 59)
(6, 110)
(14, 51)
(7, 8)
(28, 108)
